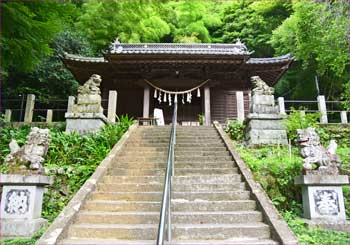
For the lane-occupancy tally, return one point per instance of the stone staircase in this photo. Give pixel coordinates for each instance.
(210, 202)
(126, 204)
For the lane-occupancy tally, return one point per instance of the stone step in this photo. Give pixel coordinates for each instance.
(208, 187)
(183, 158)
(154, 196)
(232, 241)
(157, 196)
(118, 217)
(215, 217)
(177, 217)
(185, 144)
(133, 179)
(129, 187)
(122, 206)
(95, 241)
(220, 231)
(212, 195)
(210, 179)
(164, 153)
(152, 165)
(114, 231)
(212, 206)
(178, 171)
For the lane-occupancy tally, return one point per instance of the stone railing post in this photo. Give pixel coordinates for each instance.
(28, 115)
(8, 114)
(321, 103)
(71, 101)
(49, 114)
(343, 117)
(302, 113)
(281, 106)
(112, 106)
(240, 106)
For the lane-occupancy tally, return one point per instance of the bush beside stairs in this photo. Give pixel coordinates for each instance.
(211, 203)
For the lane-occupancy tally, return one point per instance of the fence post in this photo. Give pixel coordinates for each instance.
(321, 102)
(302, 113)
(112, 105)
(281, 106)
(28, 115)
(8, 114)
(240, 106)
(49, 116)
(71, 101)
(343, 117)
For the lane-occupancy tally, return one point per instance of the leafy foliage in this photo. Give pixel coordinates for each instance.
(71, 159)
(314, 236)
(253, 22)
(296, 120)
(318, 35)
(27, 29)
(235, 129)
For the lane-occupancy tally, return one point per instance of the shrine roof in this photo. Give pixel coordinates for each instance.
(179, 48)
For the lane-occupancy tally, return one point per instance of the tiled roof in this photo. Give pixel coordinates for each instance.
(179, 48)
(84, 59)
(279, 59)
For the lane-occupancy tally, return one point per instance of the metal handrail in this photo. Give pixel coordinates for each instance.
(166, 200)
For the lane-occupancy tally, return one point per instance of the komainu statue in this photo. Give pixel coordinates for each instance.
(29, 158)
(89, 98)
(260, 87)
(313, 152)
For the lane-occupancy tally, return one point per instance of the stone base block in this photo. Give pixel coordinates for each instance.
(266, 136)
(328, 225)
(323, 197)
(83, 124)
(25, 228)
(265, 124)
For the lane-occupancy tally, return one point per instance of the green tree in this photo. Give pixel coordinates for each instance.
(50, 79)
(27, 29)
(253, 23)
(131, 21)
(317, 34)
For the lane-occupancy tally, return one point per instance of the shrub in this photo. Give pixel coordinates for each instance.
(235, 129)
(296, 121)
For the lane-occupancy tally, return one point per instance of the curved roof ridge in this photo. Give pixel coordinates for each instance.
(77, 57)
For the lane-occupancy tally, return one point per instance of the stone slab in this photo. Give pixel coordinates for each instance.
(21, 227)
(266, 136)
(266, 124)
(17, 179)
(321, 180)
(265, 116)
(328, 225)
(84, 125)
(263, 100)
(323, 202)
(21, 202)
(264, 109)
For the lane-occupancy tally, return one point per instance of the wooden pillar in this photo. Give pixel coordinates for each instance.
(71, 101)
(281, 106)
(28, 115)
(207, 116)
(112, 105)
(146, 93)
(321, 102)
(8, 115)
(49, 115)
(240, 106)
(343, 117)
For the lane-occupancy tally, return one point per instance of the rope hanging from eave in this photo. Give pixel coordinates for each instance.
(177, 92)
(167, 93)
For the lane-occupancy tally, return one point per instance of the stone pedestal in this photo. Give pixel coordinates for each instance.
(264, 122)
(323, 201)
(21, 204)
(84, 123)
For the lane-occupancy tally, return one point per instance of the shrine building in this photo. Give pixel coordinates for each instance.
(218, 70)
